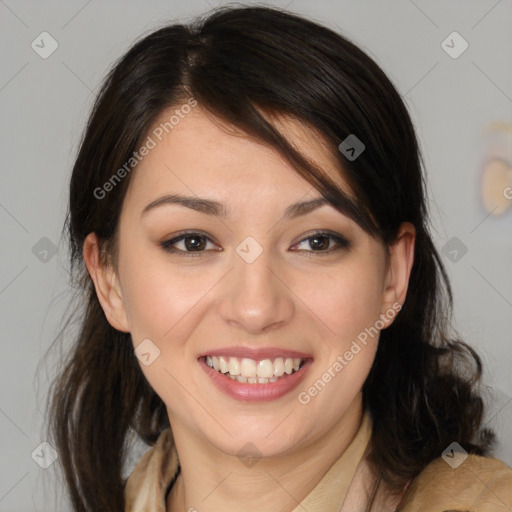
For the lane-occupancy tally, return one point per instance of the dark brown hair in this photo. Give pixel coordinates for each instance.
(238, 63)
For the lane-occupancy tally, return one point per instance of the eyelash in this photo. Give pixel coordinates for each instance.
(343, 243)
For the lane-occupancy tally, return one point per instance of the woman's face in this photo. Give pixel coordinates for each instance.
(251, 285)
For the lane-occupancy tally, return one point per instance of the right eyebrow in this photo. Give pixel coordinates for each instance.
(207, 206)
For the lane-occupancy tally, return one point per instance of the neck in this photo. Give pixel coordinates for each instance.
(211, 480)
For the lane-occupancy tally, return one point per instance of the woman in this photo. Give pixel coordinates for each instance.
(265, 306)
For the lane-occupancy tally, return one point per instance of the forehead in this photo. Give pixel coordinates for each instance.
(198, 154)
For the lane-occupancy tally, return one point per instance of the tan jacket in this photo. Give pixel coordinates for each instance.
(478, 484)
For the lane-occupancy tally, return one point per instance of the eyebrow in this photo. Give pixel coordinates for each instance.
(214, 208)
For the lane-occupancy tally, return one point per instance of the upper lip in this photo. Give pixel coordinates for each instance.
(256, 353)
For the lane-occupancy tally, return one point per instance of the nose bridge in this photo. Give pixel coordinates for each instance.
(254, 298)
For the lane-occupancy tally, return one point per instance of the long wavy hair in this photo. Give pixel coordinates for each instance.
(239, 63)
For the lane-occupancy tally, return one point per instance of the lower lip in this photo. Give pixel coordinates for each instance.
(256, 392)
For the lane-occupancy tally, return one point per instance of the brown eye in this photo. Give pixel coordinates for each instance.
(321, 243)
(190, 243)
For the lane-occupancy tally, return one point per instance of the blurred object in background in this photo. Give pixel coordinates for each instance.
(496, 185)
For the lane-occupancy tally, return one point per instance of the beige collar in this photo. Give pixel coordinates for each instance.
(147, 484)
(330, 492)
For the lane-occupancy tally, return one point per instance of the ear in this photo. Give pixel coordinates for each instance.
(401, 259)
(106, 283)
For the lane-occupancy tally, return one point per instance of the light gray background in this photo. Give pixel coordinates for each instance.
(44, 104)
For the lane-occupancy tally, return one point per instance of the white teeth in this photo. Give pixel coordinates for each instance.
(279, 367)
(223, 363)
(250, 371)
(234, 366)
(265, 369)
(248, 367)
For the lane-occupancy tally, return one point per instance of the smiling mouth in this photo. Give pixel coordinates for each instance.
(252, 371)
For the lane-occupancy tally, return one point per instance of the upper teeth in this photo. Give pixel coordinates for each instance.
(264, 368)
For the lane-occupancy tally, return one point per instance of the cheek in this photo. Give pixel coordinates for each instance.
(165, 306)
(161, 300)
(346, 304)
(345, 301)
(348, 307)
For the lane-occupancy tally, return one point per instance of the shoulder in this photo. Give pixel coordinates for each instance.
(476, 483)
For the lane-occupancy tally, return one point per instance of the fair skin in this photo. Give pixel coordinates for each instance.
(187, 305)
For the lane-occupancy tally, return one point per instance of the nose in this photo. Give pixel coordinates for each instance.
(255, 296)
